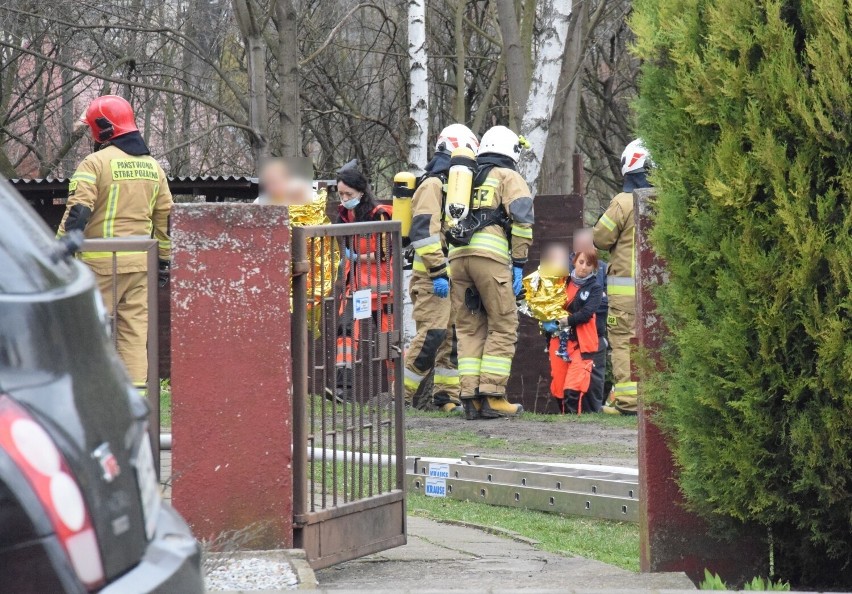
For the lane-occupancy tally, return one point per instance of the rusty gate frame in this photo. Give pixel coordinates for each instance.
(330, 535)
(151, 249)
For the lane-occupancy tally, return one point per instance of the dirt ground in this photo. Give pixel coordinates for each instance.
(592, 439)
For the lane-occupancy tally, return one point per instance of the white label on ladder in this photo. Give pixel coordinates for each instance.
(436, 487)
(439, 470)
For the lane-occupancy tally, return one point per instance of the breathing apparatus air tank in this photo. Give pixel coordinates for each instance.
(460, 183)
(403, 190)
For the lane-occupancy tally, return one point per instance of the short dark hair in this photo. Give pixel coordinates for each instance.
(591, 257)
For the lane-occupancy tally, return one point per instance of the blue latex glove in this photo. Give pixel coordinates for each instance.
(350, 254)
(441, 287)
(517, 277)
(550, 327)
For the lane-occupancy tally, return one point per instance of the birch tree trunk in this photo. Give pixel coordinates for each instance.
(460, 52)
(247, 20)
(557, 168)
(527, 31)
(515, 63)
(556, 16)
(418, 140)
(288, 79)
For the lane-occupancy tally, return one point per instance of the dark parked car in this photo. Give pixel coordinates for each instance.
(80, 506)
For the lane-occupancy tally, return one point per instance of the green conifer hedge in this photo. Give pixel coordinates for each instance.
(746, 107)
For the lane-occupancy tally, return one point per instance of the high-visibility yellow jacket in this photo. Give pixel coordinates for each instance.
(129, 197)
(504, 188)
(614, 232)
(427, 229)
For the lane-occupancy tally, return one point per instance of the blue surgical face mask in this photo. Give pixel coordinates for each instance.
(350, 204)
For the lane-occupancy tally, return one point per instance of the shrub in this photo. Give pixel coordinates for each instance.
(759, 584)
(712, 581)
(746, 107)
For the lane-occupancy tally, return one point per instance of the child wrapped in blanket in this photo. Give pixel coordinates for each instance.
(550, 293)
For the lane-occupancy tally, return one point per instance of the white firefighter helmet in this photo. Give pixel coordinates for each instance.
(635, 158)
(502, 141)
(455, 136)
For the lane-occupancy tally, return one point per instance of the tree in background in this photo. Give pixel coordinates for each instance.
(541, 99)
(218, 84)
(418, 143)
(745, 106)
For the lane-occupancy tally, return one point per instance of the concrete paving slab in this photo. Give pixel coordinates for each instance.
(445, 557)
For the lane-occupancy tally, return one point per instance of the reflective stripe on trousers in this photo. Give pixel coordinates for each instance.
(500, 366)
(411, 379)
(469, 366)
(626, 389)
(621, 285)
(448, 377)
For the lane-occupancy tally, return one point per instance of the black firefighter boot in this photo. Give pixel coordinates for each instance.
(472, 407)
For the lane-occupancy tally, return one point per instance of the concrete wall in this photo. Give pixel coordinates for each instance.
(231, 371)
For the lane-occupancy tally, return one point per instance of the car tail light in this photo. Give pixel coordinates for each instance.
(45, 468)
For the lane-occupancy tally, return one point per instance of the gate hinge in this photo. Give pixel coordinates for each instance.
(301, 267)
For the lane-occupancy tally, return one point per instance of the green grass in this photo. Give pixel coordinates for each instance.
(352, 481)
(165, 404)
(616, 543)
(621, 421)
(457, 442)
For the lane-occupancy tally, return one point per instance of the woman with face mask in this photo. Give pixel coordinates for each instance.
(368, 266)
(357, 203)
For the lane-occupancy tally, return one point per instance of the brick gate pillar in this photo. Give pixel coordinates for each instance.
(231, 373)
(672, 539)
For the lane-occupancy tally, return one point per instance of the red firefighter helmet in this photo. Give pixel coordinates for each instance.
(109, 117)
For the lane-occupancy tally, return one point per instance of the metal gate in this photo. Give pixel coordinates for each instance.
(348, 429)
(117, 246)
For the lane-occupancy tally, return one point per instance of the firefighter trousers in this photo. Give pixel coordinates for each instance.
(126, 298)
(621, 331)
(486, 324)
(434, 345)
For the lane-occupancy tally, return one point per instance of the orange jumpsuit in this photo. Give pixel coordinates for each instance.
(575, 375)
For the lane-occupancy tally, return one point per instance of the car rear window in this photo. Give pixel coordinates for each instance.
(27, 261)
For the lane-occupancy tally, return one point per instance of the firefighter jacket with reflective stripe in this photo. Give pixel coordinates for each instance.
(503, 188)
(614, 232)
(427, 229)
(129, 197)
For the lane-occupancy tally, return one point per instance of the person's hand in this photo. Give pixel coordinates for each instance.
(550, 327)
(517, 278)
(564, 322)
(441, 287)
(350, 254)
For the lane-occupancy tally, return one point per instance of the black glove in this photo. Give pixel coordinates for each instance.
(78, 218)
(164, 273)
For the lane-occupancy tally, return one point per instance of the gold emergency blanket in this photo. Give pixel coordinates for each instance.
(545, 296)
(323, 254)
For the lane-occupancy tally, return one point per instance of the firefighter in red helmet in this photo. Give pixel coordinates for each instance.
(120, 191)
